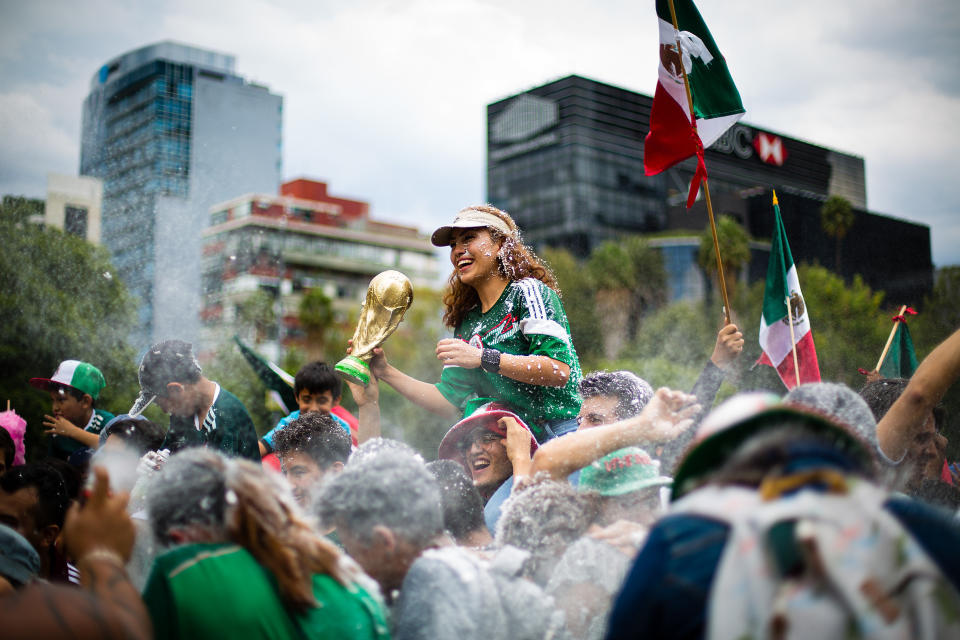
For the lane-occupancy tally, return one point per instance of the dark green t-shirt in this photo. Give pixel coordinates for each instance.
(528, 319)
(219, 590)
(227, 427)
(62, 446)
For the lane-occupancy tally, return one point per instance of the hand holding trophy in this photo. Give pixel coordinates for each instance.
(389, 296)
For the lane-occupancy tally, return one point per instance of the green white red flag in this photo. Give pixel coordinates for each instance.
(901, 359)
(776, 339)
(674, 134)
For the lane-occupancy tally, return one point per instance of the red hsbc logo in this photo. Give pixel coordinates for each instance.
(770, 148)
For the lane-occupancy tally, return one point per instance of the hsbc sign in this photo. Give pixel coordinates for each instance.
(743, 142)
(770, 148)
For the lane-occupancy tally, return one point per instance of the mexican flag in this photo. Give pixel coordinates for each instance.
(901, 360)
(716, 101)
(775, 337)
(277, 381)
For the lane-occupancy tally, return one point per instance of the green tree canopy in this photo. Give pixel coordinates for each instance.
(632, 271)
(579, 301)
(60, 300)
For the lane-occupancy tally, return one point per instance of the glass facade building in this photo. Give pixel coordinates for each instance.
(156, 124)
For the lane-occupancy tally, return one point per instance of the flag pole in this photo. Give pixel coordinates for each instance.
(893, 332)
(706, 185)
(793, 339)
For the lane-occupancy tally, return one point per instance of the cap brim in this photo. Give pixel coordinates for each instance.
(711, 453)
(630, 487)
(143, 401)
(448, 446)
(43, 383)
(441, 237)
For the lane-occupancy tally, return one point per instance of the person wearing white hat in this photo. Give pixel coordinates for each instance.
(511, 339)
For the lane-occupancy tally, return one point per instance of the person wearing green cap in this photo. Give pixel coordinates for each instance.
(76, 421)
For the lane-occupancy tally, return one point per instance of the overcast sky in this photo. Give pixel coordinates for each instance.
(385, 100)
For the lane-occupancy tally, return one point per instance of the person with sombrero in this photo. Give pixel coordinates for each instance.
(511, 339)
(76, 421)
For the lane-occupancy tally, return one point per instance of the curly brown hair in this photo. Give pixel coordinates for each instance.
(515, 260)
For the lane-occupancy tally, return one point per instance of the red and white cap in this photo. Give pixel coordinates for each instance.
(486, 416)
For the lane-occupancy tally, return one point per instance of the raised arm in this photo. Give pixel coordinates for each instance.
(63, 427)
(938, 371)
(420, 393)
(667, 415)
(368, 409)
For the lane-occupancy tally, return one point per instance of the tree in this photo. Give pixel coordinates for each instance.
(579, 301)
(673, 346)
(258, 311)
(836, 218)
(630, 280)
(940, 312)
(734, 242)
(60, 299)
(316, 316)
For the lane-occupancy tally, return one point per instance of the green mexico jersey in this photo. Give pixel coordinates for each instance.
(62, 446)
(219, 590)
(528, 319)
(227, 427)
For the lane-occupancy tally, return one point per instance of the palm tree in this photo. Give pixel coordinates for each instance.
(630, 280)
(734, 244)
(836, 218)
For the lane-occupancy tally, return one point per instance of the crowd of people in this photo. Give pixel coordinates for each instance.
(559, 505)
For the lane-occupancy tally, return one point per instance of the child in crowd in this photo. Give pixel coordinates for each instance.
(318, 388)
(76, 422)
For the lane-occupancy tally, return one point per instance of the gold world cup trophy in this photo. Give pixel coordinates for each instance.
(389, 296)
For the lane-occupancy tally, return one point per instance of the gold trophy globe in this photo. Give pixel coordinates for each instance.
(389, 296)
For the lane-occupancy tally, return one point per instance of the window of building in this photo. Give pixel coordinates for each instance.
(75, 221)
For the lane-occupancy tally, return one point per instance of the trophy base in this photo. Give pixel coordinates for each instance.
(354, 370)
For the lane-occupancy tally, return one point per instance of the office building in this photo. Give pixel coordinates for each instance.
(566, 160)
(74, 205)
(286, 244)
(171, 129)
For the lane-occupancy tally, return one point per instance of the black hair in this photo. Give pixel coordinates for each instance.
(462, 504)
(8, 447)
(166, 362)
(317, 435)
(632, 392)
(881, 394)
(52, 499)
(72, 471)
(139, 434)
(317, 377)
(75, 393)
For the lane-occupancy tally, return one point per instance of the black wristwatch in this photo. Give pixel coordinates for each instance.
(490, 360)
